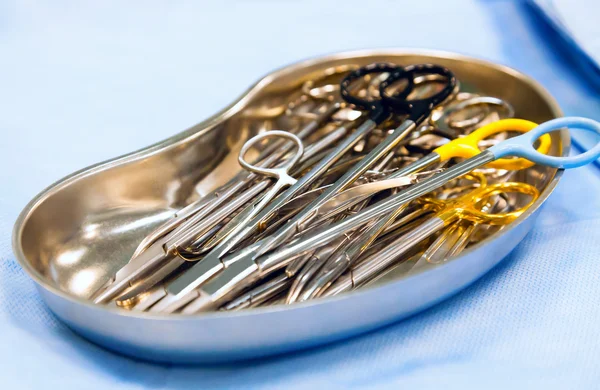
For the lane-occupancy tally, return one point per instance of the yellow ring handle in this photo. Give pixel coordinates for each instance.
(468, 146)
(469, 210)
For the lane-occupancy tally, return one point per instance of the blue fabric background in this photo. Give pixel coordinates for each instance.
(84, 82)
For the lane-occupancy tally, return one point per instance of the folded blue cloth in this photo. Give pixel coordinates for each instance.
(575, 31)
(111, 80)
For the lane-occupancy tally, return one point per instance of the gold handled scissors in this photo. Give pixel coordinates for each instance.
(467, 207)
(458, 235)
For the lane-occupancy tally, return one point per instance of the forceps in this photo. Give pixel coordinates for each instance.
(160, 252)
(466, 207)
(281, 173)
(247, 269)
(417, 111)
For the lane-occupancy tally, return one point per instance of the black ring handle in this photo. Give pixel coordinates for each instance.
(379, 110)
(417, 109)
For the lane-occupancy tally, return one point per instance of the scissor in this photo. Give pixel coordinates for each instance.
(417, 111)
(452, 240)
(248, 269)
(449, 243)
(160, 253)
(465, 207)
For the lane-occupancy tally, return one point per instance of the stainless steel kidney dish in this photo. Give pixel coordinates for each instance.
(77, 233)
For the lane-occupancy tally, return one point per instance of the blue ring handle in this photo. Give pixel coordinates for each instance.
(522, 145)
